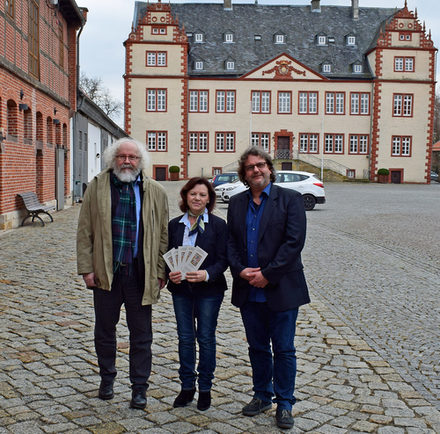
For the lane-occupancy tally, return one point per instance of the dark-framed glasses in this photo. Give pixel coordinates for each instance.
(259, 166)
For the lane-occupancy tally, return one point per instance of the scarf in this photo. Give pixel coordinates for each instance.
(199, 224)
(123, 223)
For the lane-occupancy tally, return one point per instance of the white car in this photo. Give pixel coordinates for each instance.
(237, 186)
(311, 188)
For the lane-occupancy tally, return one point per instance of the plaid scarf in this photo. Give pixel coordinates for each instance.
(123, 223)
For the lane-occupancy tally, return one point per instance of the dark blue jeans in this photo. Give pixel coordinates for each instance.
(126, 290)
(271, 374)
(196, 318)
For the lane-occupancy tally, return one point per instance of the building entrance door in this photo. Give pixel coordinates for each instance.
(396, 177)
(283, 147)
(160, 173)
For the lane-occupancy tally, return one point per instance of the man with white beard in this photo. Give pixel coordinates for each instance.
(122, 235)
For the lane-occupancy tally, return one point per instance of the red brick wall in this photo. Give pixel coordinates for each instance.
(30, 165)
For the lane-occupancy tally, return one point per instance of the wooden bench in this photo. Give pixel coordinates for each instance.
(34, 207)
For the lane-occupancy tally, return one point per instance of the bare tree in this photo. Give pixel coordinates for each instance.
(100, 95)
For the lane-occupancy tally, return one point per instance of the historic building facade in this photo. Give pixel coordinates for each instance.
(341, 87)
(38, 85)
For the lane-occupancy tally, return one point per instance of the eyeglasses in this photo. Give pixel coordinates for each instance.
(259, 166)
(130, 157)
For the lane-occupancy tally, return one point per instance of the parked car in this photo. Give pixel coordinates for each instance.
(311, 188)
(237, 186)
(223, 178)
(434, 176)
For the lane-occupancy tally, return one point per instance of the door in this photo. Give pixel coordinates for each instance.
(59, 177)
(283, 147)
(160, 173)
(396, 177)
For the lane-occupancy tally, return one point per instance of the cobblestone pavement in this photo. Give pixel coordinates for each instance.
(367, 346)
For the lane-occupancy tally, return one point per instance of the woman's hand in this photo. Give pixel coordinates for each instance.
(196, 276)
(175, 277)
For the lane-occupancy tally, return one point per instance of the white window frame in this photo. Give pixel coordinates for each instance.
(229, 38)
(198, 65)
(284, 102)
(230, 65)
(326, 67)
(322, 40)
(280, 39)
(351, 40)
(357, 68)
(198, 37)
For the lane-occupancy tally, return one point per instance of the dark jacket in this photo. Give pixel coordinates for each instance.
(281, 238)
(213, 242)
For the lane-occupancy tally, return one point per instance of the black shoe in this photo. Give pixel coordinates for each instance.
(138, 399)
(256, 406)
(284, 418)
(184, 398)
(106, 391)
(204, 401)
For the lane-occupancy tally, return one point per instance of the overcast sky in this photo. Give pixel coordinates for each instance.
(109, 23)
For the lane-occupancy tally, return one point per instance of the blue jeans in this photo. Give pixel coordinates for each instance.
(271, 374)
(196, 317)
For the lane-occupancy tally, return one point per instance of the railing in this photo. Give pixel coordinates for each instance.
(283, 154)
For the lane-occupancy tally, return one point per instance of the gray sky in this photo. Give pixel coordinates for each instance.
(109, 23)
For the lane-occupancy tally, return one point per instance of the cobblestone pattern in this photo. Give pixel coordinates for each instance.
(366, 344)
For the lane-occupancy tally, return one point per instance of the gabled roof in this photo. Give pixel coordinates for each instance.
(298, 23)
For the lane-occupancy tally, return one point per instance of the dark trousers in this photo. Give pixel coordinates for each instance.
(127, 290)
(273, 368)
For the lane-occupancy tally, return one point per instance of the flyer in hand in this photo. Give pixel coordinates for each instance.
(185, 258)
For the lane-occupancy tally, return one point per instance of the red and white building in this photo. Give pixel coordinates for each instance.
(343, 87)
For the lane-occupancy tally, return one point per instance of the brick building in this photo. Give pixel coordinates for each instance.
(343, 87)
(38, 85)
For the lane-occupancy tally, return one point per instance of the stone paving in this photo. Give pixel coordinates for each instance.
(368, 345)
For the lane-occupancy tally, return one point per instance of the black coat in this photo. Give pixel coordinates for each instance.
(281, 238)
(212, 241)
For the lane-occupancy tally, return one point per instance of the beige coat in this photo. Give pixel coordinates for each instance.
(94, 236)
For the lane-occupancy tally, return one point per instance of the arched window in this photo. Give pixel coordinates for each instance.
(49, 131)
(12, 120)
(27, 123)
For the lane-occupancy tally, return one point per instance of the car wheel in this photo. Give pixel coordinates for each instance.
(309, 202)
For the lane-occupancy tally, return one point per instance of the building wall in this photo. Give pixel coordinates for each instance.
(379, 124)
(34, 108)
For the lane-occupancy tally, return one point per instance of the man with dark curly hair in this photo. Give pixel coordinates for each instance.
(267, 230)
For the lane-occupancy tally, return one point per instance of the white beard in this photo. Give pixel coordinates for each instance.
(126, 175)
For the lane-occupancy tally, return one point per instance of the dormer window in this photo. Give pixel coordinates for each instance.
(228, 38)
(198, 37)
(351, 40)
(230, 65)
(198, 65)
(326, 67)
(321, 40)
(280, 39)
(357, 68)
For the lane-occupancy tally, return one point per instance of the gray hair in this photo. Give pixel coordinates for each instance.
(110, 153)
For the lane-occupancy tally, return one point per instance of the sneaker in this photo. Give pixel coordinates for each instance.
(284, 418)
(256, 406)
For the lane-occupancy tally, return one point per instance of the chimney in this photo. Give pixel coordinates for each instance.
(316, 7)
(227, 4)
(355, 8)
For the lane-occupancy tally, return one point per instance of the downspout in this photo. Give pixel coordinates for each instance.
(74, 129)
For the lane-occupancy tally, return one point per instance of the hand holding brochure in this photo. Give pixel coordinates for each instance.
(184, 259)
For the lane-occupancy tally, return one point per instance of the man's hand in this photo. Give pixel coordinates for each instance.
(258, 280)
(161, 283)
(89, 280)
(175, 277)
(249, 273)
